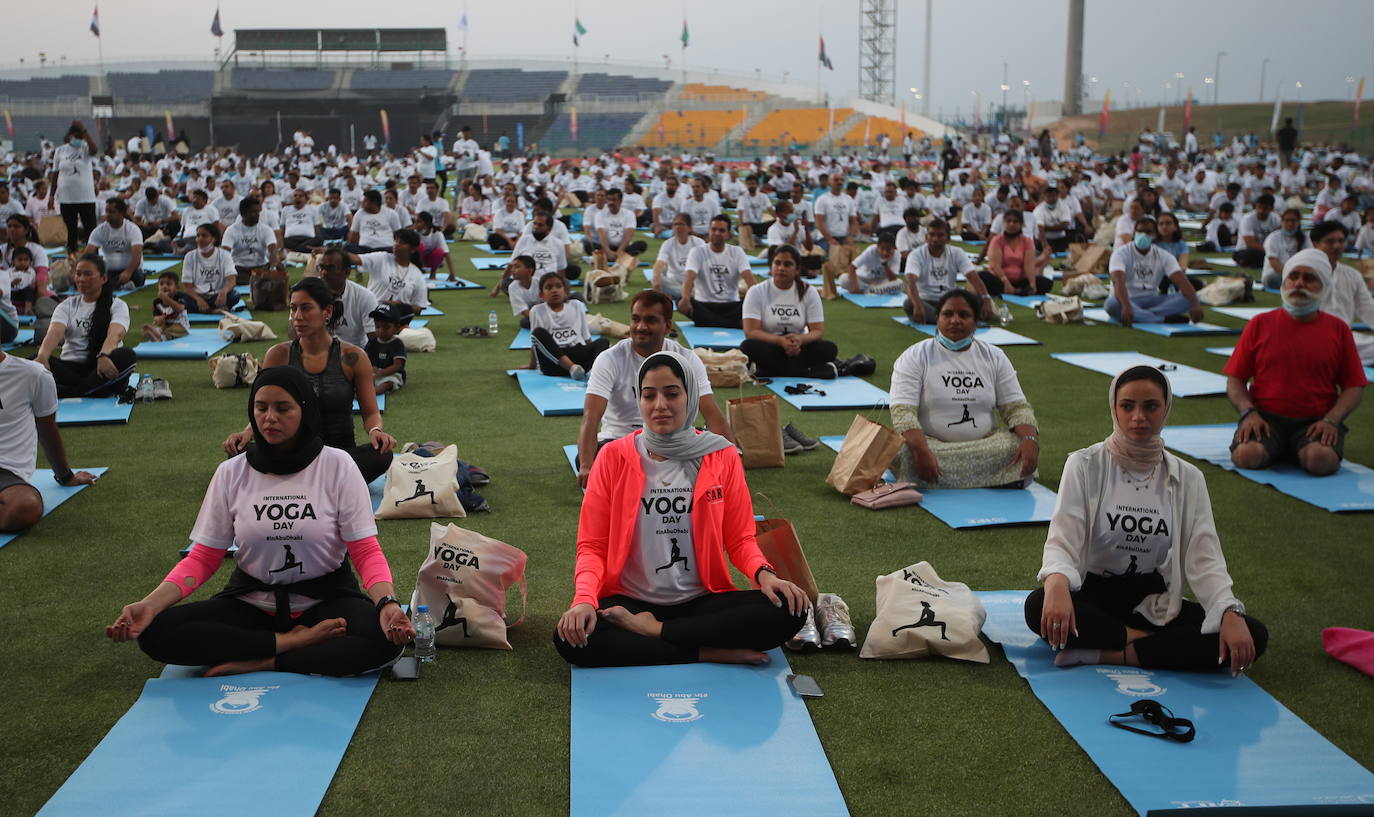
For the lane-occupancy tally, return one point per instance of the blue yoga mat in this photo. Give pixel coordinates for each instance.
(991, 507)
(1028, 301)
(24, 338)
(264, 742)
(995, 335)
(377, 489)
(240, 311)
(840, 393)
(26, 320)
(1250, 750)
(1349, 489)
(89, 411)
(552, 396)
(710, 337)
(428, 312)
(381, 403)
(1184, 381)
(570, 451)
(1167, 330)
(52, 493)
(872, 301)
(199, 344)
(444, 283)
(489, 263)
(521, 340)
(696, 739)
(243, 290)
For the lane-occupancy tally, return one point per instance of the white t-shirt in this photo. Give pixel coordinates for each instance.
(908, 241)
(934, 276)
(191, 218)
(661, 566)
(976, 217)
(781, 311)
(701, 213)
(356, 322)
(300, 221)
(75, 314)
(290, 527)
(550, 255)
(1252, 225)
(227, 210)
(390, 281)
(206, 275)
(673, 254)
(1144, 271)
(1130, 533)
(511, 222)
(751, 208)
(27, 391)
(837, 211)
(249, 245)
(615, 225)
(75, 176)
(1280, 246)
(333, 218)
(1060, 213)
(523, 298)
(718, 274)
(568, 325)
(956, 393)
(376, 229)
(613, 378)
(668, 207)
(873, 271)
(117, 243)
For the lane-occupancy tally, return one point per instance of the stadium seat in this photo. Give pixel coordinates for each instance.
(511, 85)
(596, 131)
(875, 127)
(255, 79)
(595, 84)
(692, 129)
(400, 80)
(699, 92)
(802, 125)
(46, 87)
(163, 86)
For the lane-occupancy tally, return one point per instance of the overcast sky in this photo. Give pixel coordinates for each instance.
(1316, 42)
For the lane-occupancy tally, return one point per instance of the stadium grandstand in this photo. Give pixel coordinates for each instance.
(337, 82)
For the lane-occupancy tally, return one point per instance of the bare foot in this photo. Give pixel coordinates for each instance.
(722, 655)
(299, 637)
(642, 623)
(240, 667)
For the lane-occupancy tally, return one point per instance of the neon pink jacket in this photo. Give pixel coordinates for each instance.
(722, 521)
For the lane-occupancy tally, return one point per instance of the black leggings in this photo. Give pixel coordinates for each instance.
(728, 315)
(1105, 607)
(79, 378)
(1039, 285)
(547, 352)
(771, 361)
(85, 211)
(9, 331)
(740, 619)
(497, 242)
(205, 633)
(371, 462)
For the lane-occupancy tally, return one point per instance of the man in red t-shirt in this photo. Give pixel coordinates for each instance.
(1304, 377)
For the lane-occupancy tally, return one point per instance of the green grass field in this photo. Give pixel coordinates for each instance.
(490, 729)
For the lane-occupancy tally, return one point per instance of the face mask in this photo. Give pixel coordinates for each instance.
(207, 251)
(788, 219)
(1287, 231)
(1300, 302)
(953, 345)
(74, 141)
(1143, 241)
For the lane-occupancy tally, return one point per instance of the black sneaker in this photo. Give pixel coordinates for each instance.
(806, 443)
(790, 445)
(857, 366)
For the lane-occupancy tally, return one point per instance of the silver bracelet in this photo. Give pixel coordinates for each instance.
(374, 428)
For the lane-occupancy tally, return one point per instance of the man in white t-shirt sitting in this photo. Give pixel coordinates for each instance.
(394, 277)
(28, 417)
(1137, 270)
(373, 227)
(121, 242)
(251, 242)
(300, 223)
(611, 407)
(1255, 226)
(670, 268)
(933, 269)
(877, 270)
(615, 230)
(710, 292)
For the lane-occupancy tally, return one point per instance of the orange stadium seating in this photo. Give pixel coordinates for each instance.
(875, 127)
(802, 125)
(692, 128)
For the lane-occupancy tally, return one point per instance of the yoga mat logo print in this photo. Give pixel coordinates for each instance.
(1136, 683)
(239, 700)
(677, 708)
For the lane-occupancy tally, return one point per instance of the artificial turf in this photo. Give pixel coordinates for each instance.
(486, 732)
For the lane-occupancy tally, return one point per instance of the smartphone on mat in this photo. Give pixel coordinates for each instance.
(406, 669)
(806, 686)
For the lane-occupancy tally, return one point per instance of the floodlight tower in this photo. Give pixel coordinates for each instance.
(1073, 61)
(878, 51)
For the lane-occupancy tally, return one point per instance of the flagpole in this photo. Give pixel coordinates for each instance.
(577, 38)
(684, 42)
(820, 28)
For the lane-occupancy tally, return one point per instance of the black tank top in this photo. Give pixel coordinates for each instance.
(335, 392)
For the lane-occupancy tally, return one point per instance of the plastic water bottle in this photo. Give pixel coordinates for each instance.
(145, 390)
(424, 634)
(1003, 313)
(491, 322)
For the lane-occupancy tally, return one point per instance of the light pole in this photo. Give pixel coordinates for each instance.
(1264, 65)
(1216, 79)
(1178, 83)
(1350, 85)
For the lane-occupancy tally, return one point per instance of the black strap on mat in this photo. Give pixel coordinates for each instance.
(1179, 730)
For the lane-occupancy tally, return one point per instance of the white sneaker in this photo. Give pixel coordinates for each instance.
(807, 639)
(832, 615)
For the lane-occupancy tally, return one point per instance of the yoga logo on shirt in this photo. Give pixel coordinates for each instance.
(677, 707)
(239, 700)
(1137, 683)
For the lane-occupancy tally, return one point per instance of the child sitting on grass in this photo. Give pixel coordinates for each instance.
(518, 284)
(561, 345)
(433, 246)
(169, 313)
(386, 351)
(23, 280)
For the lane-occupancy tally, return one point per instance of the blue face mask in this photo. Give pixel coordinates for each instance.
(1143, 241)
(788, 219)
(954, 345)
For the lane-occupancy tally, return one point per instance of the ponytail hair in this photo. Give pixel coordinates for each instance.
(320, 293)
(100, 318)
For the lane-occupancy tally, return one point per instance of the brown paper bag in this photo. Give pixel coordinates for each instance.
(52, 230)
(464, 580)
(1092, 261)
(867, 452)
(780, 546)
(758, 429)
(746, 238)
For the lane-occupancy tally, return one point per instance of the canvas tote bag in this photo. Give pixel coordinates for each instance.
(422, 487)
(919, 614)
(866, 454)
(757, 429)
(464, 580)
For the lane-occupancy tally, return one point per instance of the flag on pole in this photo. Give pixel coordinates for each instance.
(463, 22)
(484, 123)
(520, 136)
(215, 27)
(95, 21)
(1188, 113)
(1102, 121)
(868, 124)
(572, 123)
(1030, 118)
(903, 109)
(9, 125)
(171, 131)
(1355, 118)
(386, 128)
(825, 58)
(578, 30)
(685, 36)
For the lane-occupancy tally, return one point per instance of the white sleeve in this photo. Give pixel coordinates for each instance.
(214, 525)
(1066, 541)
(753, 303)
(601, 380)
(908, 377)
(1170, 263)
(584, 331)
(703, 380)
(965, 264)
(694, 257)
(741, 260)
(189, 266)
(1118, 261)
(1204, 567)
(1008, 384)
(44, 401)
(119, 313)
(812, 309)
(372, 262)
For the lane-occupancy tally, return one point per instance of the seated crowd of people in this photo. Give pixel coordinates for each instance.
(646, 591)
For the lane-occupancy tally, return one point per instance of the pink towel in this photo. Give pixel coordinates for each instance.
(1354, 647)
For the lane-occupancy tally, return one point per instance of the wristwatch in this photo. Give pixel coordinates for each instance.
(385, 600)
(1234, 607)
(63, 479)
(1035, 438)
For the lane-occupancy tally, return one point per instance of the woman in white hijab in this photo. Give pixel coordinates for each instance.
(1132, 525)
(664, 507)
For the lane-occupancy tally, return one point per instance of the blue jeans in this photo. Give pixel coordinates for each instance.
(1151, 308)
